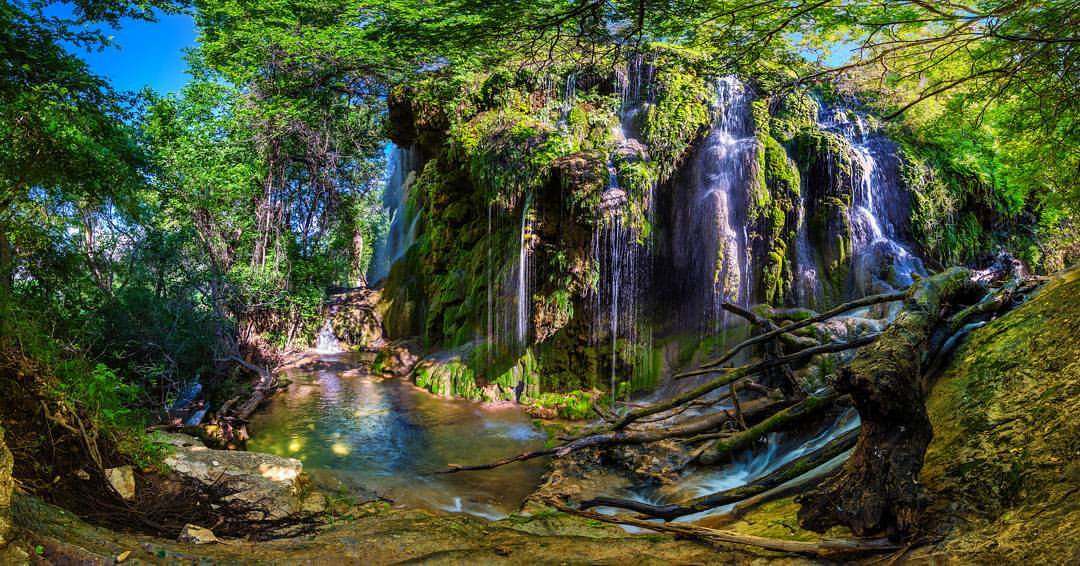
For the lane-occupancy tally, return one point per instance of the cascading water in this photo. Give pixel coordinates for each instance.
(524, 299)
(879, 206)
(327, 342)
(403, 220)
(710, 247)
(620, 248)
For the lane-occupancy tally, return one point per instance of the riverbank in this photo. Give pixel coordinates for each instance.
(378, 533)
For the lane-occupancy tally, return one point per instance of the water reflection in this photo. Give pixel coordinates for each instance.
(387, 436)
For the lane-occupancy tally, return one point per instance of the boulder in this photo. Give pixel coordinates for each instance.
(194, 534)
(399, 359)
(265, 483)
(122, 480)
(356, 320)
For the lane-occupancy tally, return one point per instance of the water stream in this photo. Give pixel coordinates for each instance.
(361, 433)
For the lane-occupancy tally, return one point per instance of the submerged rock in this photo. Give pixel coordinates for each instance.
(265, 483)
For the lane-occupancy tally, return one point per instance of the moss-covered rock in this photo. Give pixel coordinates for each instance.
(356, 320)
(1003, 465)
(825, 164)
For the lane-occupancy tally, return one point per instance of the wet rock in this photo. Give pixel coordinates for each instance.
(633, 150)
(612, 200)
(262, 482)
(194, 534)
(122, 480)
(314, 503)
(398, 359)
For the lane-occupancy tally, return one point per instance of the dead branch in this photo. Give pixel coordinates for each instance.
(809, 407)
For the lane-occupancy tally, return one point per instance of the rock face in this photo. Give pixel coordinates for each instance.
(264, 482)
(356, 320)
(7, 485)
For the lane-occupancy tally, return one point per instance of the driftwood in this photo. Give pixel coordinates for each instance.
(781, 475)
(878, 489)
(825, 548)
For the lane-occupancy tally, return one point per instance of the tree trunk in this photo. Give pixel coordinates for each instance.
(878, 488)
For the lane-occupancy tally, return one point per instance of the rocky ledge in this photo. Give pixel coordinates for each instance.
(264, 483)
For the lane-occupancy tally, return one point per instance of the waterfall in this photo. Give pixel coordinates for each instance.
(524, 299)
(711, 248)
(327, 342)
(880, 206)
(403, 220)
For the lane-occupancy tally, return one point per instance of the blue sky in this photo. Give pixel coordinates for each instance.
(146, 53)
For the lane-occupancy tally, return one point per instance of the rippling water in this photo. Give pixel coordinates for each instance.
(386, 436)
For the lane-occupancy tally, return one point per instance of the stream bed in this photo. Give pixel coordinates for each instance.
(362, 434)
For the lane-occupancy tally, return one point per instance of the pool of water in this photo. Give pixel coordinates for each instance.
(361, 432)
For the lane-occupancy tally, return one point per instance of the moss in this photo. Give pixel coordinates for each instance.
(451, 377)
(574, 405)
(1006, 432)
(680, 113)
(793, 113)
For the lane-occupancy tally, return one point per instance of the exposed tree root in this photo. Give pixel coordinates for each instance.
(878, 489)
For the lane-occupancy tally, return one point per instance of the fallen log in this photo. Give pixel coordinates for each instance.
(839, 309)
(878, 489)
(825, 548)
(755, 408)
(781, 475)
(809, 407)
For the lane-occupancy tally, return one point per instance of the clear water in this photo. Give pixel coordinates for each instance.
(387, 436)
